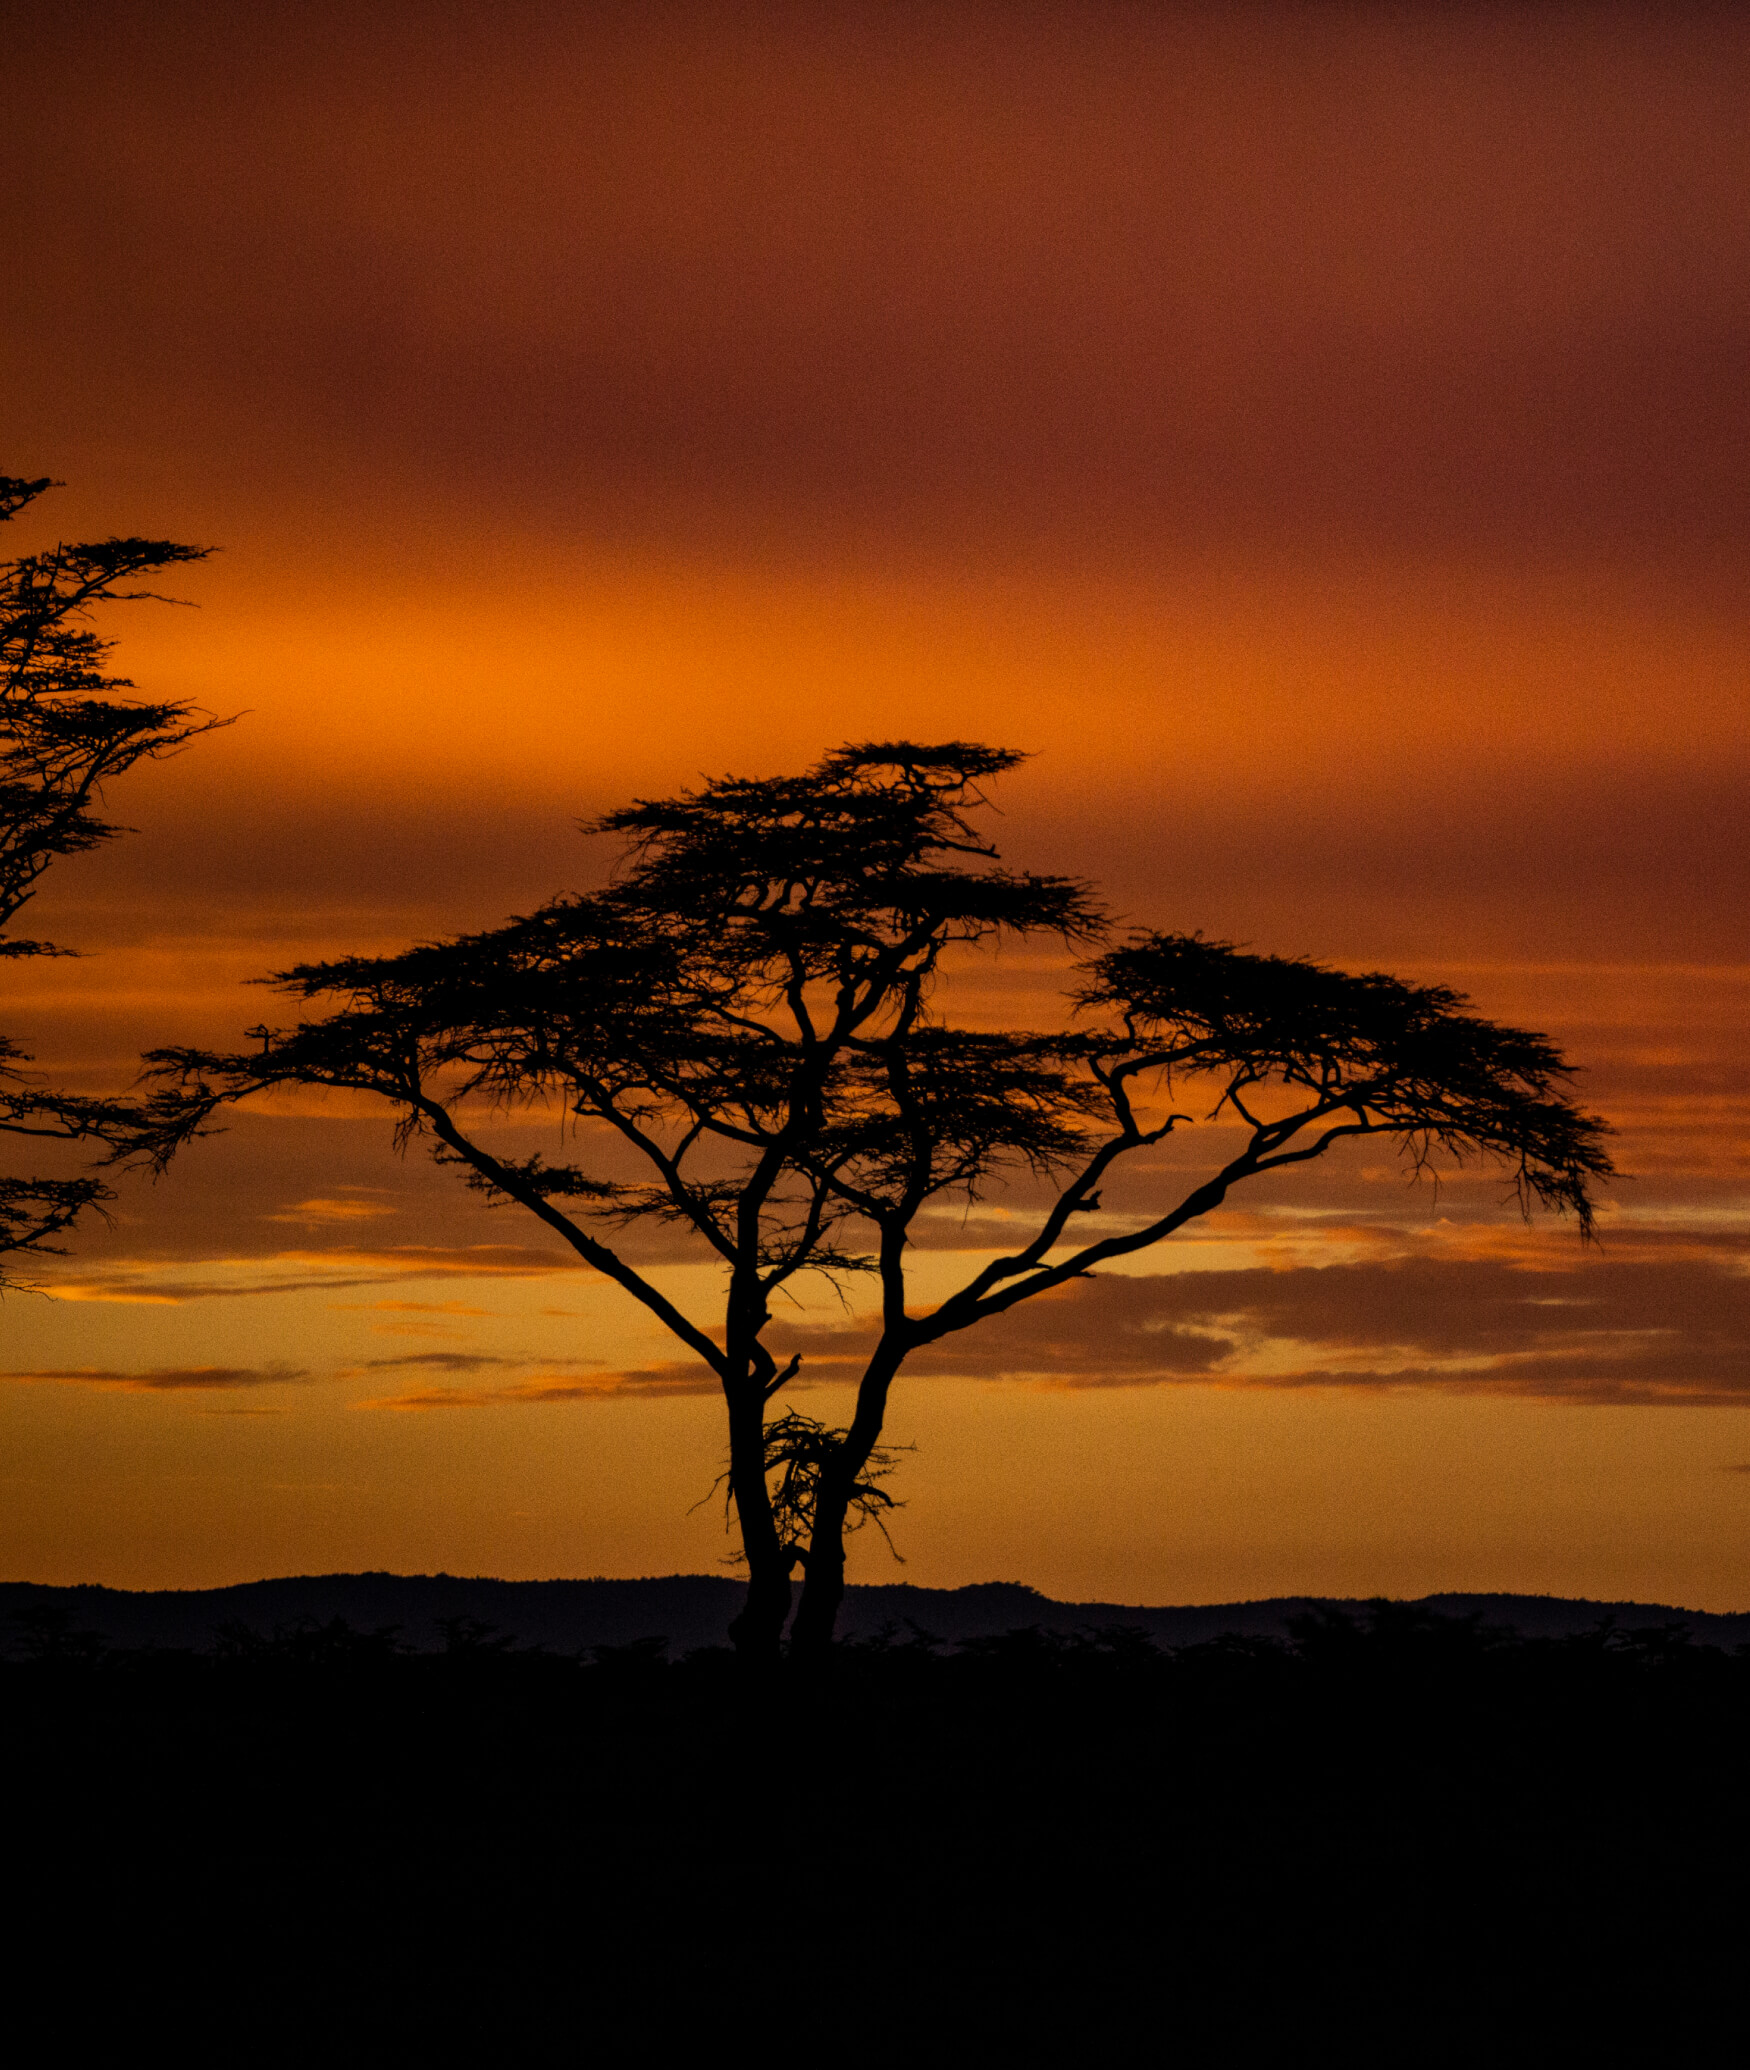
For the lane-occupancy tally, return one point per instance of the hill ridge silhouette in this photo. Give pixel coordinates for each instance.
(693, 1610)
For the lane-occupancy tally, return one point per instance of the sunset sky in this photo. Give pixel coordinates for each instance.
(1319, 435)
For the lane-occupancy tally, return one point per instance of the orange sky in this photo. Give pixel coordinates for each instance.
(1319, 434)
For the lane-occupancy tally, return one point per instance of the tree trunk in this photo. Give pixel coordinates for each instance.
(757, 1633)
(823, 1584)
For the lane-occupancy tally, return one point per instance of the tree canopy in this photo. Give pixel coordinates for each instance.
(67, 729)
(752, 1012)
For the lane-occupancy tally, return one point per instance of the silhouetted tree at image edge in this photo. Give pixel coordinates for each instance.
(752, 1007)
(66, 730)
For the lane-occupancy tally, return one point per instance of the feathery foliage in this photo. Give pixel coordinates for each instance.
(66, 731)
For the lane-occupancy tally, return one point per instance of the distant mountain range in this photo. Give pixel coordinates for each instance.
(693, 1610)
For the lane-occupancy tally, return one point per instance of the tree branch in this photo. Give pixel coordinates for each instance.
(588, 1248)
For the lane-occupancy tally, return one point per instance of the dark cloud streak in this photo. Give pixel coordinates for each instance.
(1652, 1329)
(169, 1379)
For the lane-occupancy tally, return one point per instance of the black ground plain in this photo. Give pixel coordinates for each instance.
(1380, 1833)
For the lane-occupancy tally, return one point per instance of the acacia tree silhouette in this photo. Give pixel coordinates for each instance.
(752, 1008)
(66, 730)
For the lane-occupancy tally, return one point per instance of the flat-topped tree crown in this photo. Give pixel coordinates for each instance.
(751, 1010)
(866, 861)
(749, 979)
(1374, 1056)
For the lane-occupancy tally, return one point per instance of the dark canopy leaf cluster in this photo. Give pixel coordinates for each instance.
(66, 730)
(1372, 1054)
(754, 986)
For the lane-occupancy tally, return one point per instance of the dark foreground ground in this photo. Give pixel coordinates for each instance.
(1391, 1837)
